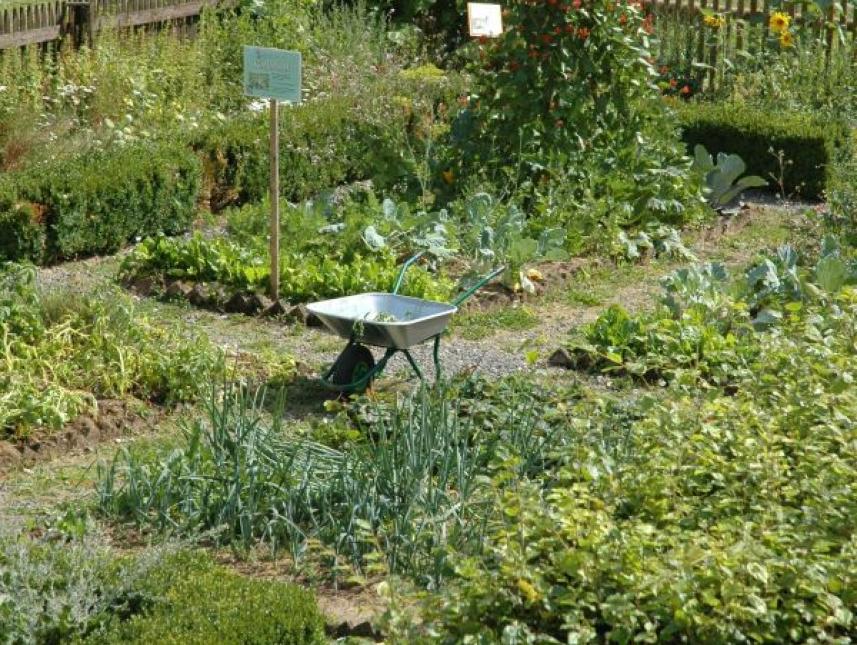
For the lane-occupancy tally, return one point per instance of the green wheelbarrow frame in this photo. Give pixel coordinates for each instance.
(372, 371)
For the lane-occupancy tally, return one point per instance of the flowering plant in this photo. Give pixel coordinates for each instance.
(563, 74)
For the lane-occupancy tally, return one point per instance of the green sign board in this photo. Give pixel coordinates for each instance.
(272, 73)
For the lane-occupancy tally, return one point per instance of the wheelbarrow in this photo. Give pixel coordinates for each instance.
(387, 320)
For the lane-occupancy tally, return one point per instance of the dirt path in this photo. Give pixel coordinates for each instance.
(499, 351)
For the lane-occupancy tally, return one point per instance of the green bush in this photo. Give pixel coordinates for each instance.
(196, 603)
(96, 202)
(21, 232)
(321, 145)
(810, 147)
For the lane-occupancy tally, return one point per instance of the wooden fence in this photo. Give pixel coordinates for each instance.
(51, 20)
(745, 30)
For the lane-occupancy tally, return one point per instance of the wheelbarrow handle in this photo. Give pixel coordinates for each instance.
(479, 284)
(401, 277)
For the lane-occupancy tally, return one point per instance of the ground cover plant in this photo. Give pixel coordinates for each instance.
(713, 516)
(60, 356)
(707, 322)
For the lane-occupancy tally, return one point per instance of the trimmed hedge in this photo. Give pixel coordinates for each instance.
(191, 601)
(810, 146)
(97, 202)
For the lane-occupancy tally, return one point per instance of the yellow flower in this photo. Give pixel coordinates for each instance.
(786, 39)
(779, 22)
(535, 274)
(714, 21)
(448, 176)
(527, 590)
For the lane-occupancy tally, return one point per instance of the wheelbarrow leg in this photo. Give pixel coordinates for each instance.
(413, 363)
(436, 355)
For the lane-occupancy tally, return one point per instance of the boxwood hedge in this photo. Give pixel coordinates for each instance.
(97, 201)
(810, 147)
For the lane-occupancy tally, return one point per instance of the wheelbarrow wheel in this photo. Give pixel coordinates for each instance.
(352, 365)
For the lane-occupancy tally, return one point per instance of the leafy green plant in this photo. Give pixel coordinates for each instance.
(723, 180)
(59, 356)
(718, 504)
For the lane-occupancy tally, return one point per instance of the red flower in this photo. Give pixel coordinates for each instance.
(623, 19)
(685, 90)
(576, 3)
(583, 33)
(547, 39)
(648, 25)
(557, 31)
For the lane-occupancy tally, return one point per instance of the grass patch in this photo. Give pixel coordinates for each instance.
(477, 325)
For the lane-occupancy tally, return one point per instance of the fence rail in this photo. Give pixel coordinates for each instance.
(50, 20)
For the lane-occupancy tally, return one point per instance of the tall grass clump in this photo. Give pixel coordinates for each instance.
(419, 485)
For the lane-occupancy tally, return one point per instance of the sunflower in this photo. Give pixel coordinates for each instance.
(779, 22)
(786, 39)
(715, 22)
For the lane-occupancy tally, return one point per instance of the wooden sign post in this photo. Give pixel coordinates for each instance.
(484, 20)
(273, 74)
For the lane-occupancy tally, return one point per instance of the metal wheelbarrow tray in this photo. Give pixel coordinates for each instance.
(384, 319)
(387, 320)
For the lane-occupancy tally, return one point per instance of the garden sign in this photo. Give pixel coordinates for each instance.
(273, 74)
(485, 20)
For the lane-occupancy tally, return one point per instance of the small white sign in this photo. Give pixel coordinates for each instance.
(485, 19)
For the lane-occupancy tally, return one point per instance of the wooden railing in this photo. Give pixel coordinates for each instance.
(31, 23)
(50, 20)
(745, 29)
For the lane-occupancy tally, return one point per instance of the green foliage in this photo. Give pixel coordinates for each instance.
(811, 146)
(72, 590)
(308, 271)
(323, 144)
(97, 202)
(397, 500)
(565, 113)
(722, 517)
(561, 76)
(194, 601)
(723, 180)
(21, 232)
(706, 328)
(59, 355)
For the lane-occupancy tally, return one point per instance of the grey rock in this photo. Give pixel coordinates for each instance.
(177, 289)
(561, 358)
